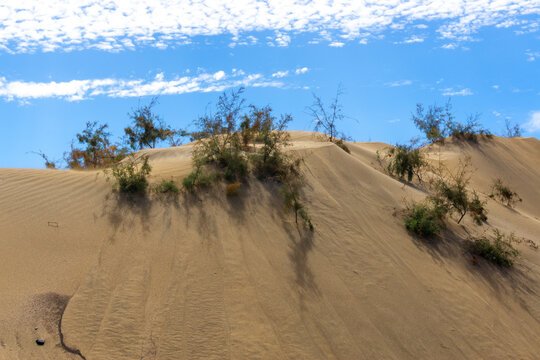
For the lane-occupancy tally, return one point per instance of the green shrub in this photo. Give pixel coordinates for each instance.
(424, 219)
(166, 186)
(498, 250)
(500, 191)
(291, 199)
(232, 189)
(477, 209)
(199, 178)
(404, 161)
(469, 131)
(131, 175)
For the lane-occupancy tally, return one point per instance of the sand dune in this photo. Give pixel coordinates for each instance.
(209, 277)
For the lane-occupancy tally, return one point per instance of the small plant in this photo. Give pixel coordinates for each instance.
(166, 186)
(130, 175)
(148, 129)
(498, 250)
(500, 191)
(98, 151)
(291, 199)
(232, 189)
(512, 130)
(424, 219)
(470, 131)
(403, 161)
(327, 119)
(199, 178)
(477, 209)
(49, 164)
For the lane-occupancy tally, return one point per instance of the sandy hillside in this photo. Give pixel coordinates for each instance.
(208, 277)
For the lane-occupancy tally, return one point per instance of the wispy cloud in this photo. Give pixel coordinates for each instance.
(532, 55)
(59, 25)
(533, 124)
(301, 70)
(75, 90)
(452, 92)
(413, 39)
(399, 83)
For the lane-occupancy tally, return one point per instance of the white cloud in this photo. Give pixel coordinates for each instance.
(496, 113)
(301, 70)
(280, 74)
(336, 44)
(399, 83)
(452, 92)
(533, 124)
(413, 39)
(75, 90)
(117, 25)
(450, 46)
(496, 87)
(532, 55)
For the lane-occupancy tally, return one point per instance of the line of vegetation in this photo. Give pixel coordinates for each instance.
(497, 249)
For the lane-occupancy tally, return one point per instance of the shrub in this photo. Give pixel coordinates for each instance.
(477, 210)
(498, 250)
(471, 130)
(98, 152)
(166, 186)
(148, 129)
(131, 175)
(49, 164)
(198, 178)
(291, 199)
(424, 219)
(512, 130)
(500, 191)
(327, 118)
(403, 161)
(232, 189)
(438, 122)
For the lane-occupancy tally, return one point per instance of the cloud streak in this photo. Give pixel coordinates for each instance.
(117, 25)
(75, 90)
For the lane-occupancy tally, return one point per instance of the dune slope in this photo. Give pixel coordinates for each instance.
(207, 277)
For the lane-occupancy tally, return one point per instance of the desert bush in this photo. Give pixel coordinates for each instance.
(98, 151)
(512, 130)
(148, 129)
(502, 192)
(438, 122)
(200, 177)
(166, 186)
(403, 161)
(232, 189)
(497, 250)
(470, 131)
(291, 199)
(424, 219)
(477, 210)
(130, 175)
(49, 164)
(326, 119)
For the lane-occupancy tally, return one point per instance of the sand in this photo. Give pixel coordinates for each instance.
(209, 277)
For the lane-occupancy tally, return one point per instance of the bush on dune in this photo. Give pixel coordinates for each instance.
(497, 250)
(130, 175)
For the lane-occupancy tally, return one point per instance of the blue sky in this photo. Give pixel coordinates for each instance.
(65, 63)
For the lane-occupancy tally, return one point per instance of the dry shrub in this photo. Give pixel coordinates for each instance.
(232, 189)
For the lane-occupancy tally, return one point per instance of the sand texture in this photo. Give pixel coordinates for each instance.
(210, 277)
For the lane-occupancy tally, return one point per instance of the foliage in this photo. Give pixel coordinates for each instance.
(235, 144)
(477, 209)
(451, 188)
(148, 129)
(500, 191)
(49, 164)
(433, 121)
(291, 199)
(424, 219)
(98, 152)
(130, 175)
(404, 160)
(166, 186)
(498, 250)
(327, 118)
(438, 122)
(198, 178)
(232, 189)
(512, 130)
(471, 130)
